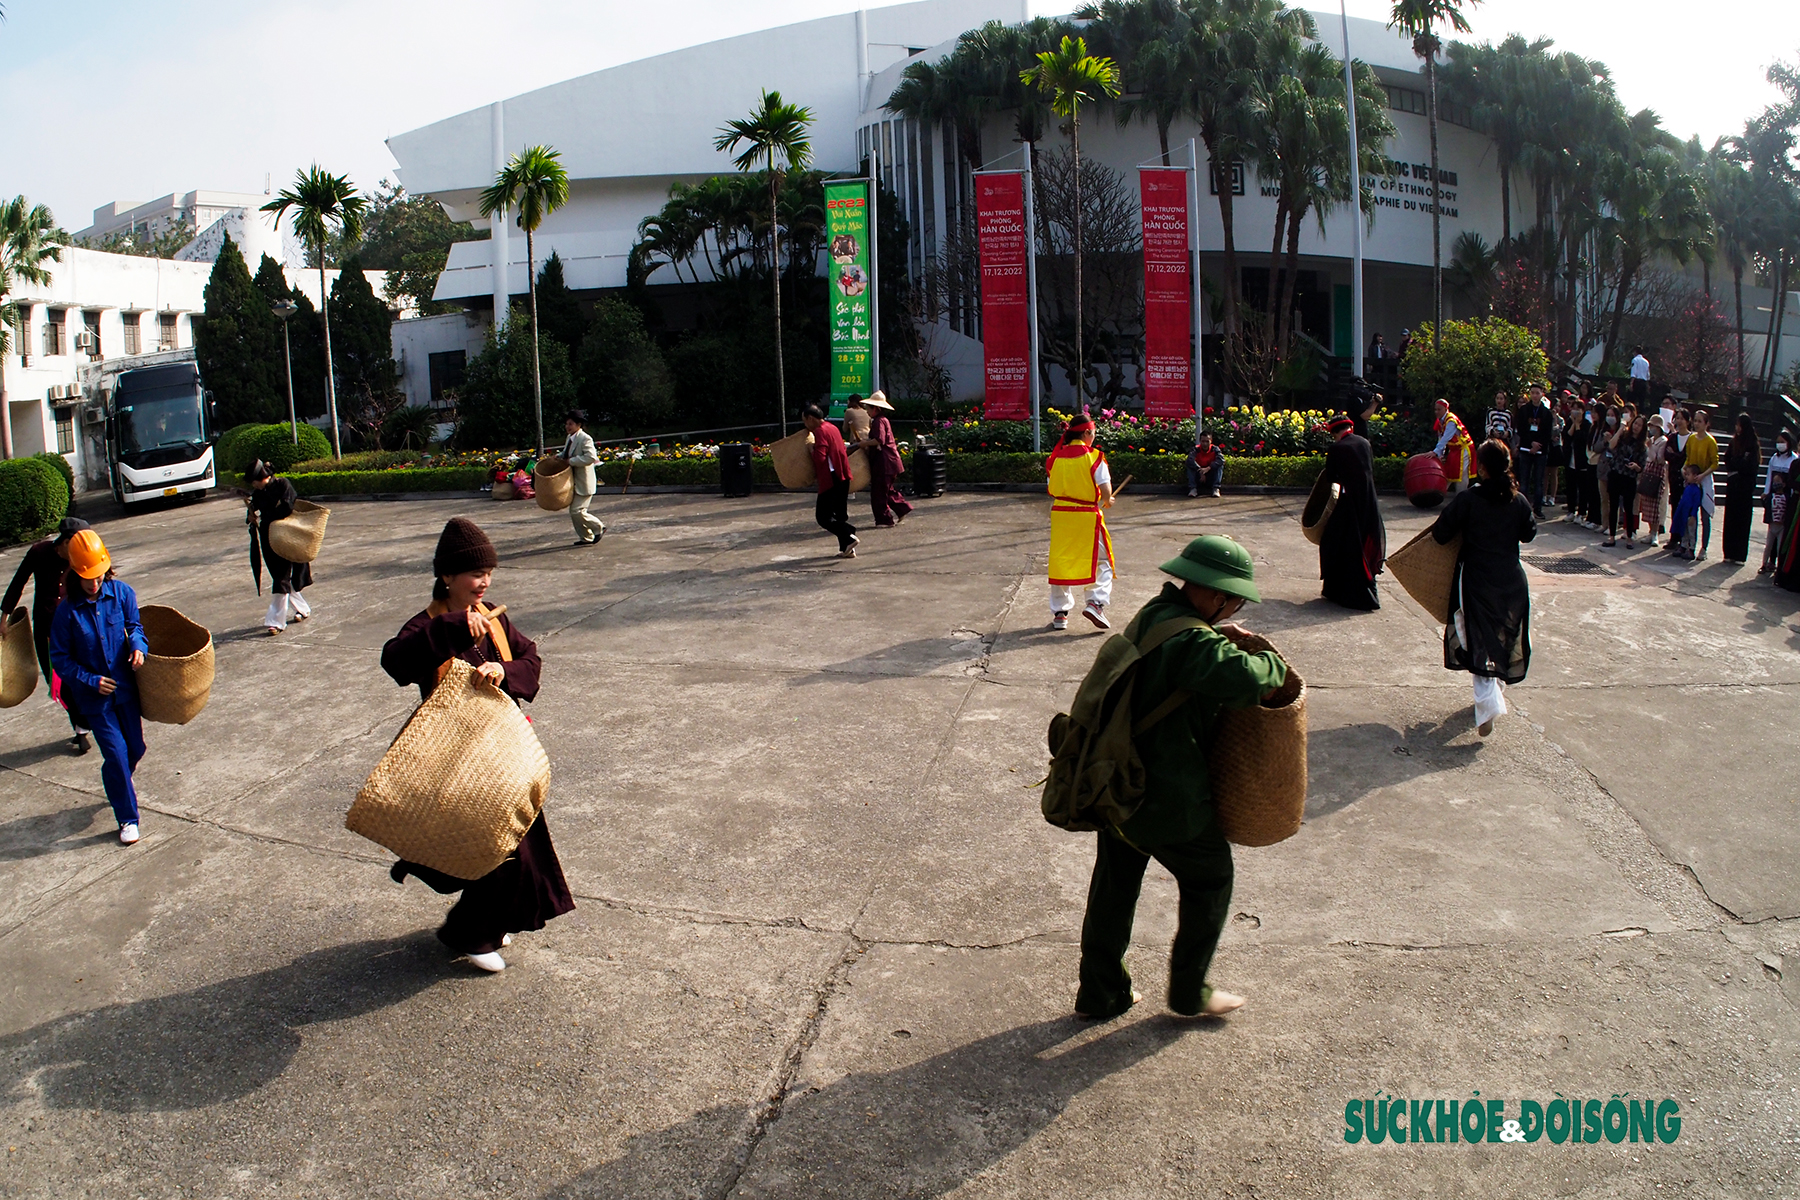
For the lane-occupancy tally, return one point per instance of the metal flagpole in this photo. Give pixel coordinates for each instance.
(1194, 281)
(1356, 213)
(874, 260)
(1037, 438)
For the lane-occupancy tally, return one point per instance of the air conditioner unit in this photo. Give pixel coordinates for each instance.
(93, 414)
(86, 342)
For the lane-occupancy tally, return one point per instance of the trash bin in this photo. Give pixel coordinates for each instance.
(734, 469)
(929, 471)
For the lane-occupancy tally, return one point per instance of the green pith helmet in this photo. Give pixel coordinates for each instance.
(1219, 563)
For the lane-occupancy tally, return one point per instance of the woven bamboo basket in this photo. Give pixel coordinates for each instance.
(793, 461)
(18, 661)
(860, 473)
(460, 785)
(503, 489)
(1258, 762)
(1428, 572)
(1319, 507)
(176, 679)
(554, 483)
(300, 537)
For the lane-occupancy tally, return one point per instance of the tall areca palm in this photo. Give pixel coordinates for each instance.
(533, 183)
(774, 130)
(29, 239)
(1071, 77)
(1420, 19)
(324, 206)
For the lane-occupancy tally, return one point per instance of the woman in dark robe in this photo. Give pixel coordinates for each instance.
(1489, 634)
(1743, 464)
(271, 499)
(527, 890)
(1353, 549)
(885, 467)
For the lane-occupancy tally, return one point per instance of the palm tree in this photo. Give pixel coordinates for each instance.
(1147, 37)
(324, 206)
(1071, 77)
(774, 130)
(534, 183)
(29, 238)
(1420, 19)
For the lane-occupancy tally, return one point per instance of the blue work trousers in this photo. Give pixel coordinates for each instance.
(119, 731)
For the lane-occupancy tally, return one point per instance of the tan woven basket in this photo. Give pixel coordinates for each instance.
(461, 784)
(1258, 762)
(18, 661)
(860, 474)
(793, 461)
(1319, 507)
(503, 489)
(1428, 572)
(176, 679)
(299, 538)
(554, 483)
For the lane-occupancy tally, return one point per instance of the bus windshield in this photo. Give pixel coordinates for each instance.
(158, 418)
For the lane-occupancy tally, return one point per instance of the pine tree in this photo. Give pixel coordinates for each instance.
(236, 344)
(559, 313)
(624, 378)
(362, 350)
(303, 342)
(495, 398)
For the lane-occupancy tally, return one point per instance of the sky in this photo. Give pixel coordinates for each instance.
(113, 101)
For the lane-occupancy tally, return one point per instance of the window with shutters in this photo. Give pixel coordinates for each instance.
(132, 331)
(53, 331)
(65, 431)
(165, 331)
(90, 320)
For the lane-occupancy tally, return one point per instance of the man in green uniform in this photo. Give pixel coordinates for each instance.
(1177, 823)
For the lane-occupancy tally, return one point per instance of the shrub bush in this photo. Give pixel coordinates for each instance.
(360, 460)
(61, 466)
(1474, 360)
(274, 444)
(371, 483)
(34, 496)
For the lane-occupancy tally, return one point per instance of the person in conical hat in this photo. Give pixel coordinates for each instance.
(96, 646)
(1177, 820)
(1081, 555)
(528, 889)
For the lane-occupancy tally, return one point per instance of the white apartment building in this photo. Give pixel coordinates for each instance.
(101, 314)
(210, 215)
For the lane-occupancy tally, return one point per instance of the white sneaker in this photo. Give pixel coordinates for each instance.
(490, 962)
(1097, 614)
(506, 939)
(1059, 620)
(128, 833)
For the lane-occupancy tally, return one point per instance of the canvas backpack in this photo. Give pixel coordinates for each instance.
(1096, 776)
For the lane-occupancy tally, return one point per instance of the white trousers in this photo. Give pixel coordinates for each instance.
(587, 525)
(1062, 599)
(1490, 699)
(285, 607)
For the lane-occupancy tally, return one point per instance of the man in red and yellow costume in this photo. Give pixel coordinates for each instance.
(1080, 550)
(1454, 445)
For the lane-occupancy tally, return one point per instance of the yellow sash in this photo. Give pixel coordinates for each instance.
(1078, 534)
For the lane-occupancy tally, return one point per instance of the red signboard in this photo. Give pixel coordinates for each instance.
(1005, 296)
(1168, 295)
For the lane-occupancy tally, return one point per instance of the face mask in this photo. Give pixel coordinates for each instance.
(1781, 447)
(1612, 420)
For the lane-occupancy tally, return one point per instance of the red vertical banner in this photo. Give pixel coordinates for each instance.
(1168, 295)
(1005, 295)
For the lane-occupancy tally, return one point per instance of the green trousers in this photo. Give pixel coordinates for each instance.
(1202, 870)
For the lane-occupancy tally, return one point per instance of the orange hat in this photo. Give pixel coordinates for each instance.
(87, 555)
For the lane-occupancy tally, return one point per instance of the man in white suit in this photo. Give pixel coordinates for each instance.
(581, 456)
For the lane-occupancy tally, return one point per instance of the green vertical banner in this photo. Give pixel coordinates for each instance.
(847, 236)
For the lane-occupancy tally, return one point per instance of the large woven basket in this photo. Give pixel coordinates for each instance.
(1258, 762)
(554, 484)
(1319, 507)
(503, 489)
(793, 461)
(1428, 572)
(300, 537)
(860, 474)
(461, 784)
(176, 679)
(18, 660)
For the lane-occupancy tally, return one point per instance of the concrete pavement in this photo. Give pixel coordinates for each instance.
(826, 946)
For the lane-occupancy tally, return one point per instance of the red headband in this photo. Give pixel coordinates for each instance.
(1340, 423)
(1080, 423)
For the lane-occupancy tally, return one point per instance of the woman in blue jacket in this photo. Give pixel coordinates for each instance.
(96, 643)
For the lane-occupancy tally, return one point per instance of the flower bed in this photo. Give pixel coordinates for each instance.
(1244, 431)
(1286, 471)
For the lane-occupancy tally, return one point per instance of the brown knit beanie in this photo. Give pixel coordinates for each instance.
(463, 547)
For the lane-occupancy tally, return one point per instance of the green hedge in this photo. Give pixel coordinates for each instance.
(241, 445)
(368, 483)
(34, 497)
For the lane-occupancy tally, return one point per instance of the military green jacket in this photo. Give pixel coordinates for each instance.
(1178, 804)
